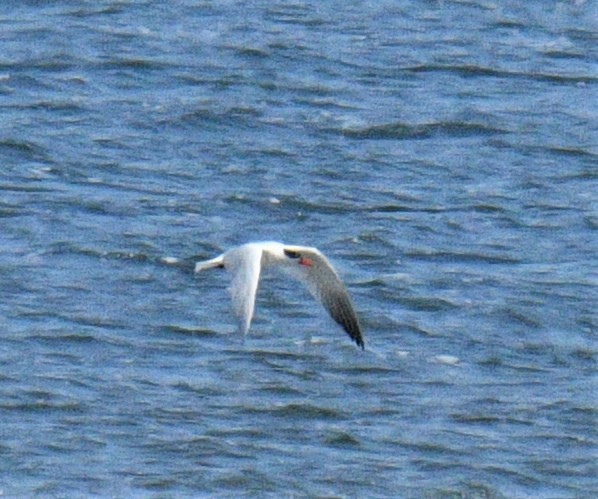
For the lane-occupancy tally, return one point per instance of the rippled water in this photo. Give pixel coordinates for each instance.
(442, 154)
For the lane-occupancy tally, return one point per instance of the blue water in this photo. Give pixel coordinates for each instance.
(444, 155)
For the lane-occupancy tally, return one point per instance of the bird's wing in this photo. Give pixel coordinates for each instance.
(314, 269)
(244, 264)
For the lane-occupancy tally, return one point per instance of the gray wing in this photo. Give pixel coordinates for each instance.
(326, 286)
(244, 263)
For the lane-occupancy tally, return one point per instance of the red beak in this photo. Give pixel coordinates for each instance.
(306, 261)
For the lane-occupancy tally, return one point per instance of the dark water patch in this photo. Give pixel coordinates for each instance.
(526, 318)
(248, 481)
(9, 210)
(580, 442)
(129, 185)
(190, 413)
(41, 407)
(99, 207)
(252, 52)
(24, 150)
(574, 468)
(131, 256)
(307, 411)
(234, 116)
(272, 153)
(585, 416)
(377, 238)
(135, 64)
(465, 71)
(584, 175)
(487, 208)
(64, 338)
(279, 389)
(480, 71)
(298, 371)
(158, 483)
(298, 411)
(94, 10)
(516, 473)
(312, 91)
(588, 323)
(454, 257)
(341, 439)
(584, 354)
(294, 14)
(481, 419)
(416, 208)
(377, 282)
(56, 63)
(62, 107)
(65, 248)
(69, 248)
(580, 157)
(401, 131)
(466, 490)
(419, 330)
(369, 370)
(113, 143)
(564, 54)
(275, 355)
(32, 187)
(493, 361)
(426, 304)
(576, 152)
(519, 421)
(94, 321)
(390, 208)
(324, 102)
(509, 23)
(186, 331)
(437, 465)
(430, 448)
(204, 446)
(381, 412)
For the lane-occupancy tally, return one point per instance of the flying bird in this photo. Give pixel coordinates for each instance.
(307, 265)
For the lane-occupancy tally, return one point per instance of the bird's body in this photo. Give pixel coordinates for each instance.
(305, 264)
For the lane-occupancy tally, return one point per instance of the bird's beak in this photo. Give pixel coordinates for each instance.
(306, 261)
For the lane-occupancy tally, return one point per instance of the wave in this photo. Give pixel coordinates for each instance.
(402, 131)
(469, 71)
(450, 256)
(23, 149)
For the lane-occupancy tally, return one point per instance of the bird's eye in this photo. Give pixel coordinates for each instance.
(291, 253)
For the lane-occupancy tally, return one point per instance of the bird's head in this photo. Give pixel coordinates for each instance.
(296, 254)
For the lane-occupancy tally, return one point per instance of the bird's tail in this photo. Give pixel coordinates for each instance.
(210, 264)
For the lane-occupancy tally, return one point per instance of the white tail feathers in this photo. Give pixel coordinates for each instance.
(210, 264)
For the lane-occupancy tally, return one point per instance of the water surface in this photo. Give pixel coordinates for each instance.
(442, 154)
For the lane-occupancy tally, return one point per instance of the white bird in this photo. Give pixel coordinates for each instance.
(307, 265)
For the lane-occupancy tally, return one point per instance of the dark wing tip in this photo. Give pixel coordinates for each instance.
(356, 336)
(360, 342)
(351, 325)
(341, 310)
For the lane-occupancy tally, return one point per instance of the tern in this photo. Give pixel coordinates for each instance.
(307, 265)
